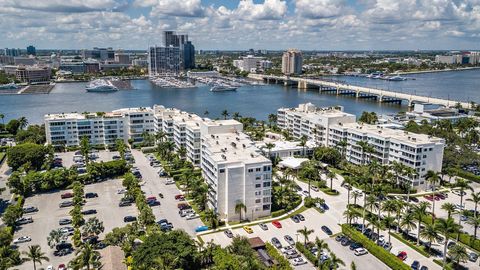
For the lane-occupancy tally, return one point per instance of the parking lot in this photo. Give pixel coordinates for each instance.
(49, 213)
(103, 155)
(152, 185)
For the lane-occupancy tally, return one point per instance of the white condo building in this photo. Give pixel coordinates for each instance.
(231, 164)
(418, 151)
(235, 171)
(311, 121)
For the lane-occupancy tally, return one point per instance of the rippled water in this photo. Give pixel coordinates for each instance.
(255, 101)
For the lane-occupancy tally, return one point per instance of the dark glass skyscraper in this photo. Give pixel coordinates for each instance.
(31, 50)
(188, 55)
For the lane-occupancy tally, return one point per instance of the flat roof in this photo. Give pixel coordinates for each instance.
(233, 147)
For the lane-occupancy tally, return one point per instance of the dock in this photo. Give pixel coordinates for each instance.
(339, 88)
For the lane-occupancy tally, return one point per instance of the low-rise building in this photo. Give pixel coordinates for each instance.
(311, 121)
(33, 74)
(418, 151)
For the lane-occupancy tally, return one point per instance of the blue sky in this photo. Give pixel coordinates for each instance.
(235, 24)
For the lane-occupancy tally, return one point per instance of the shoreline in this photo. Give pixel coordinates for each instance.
(437, 70)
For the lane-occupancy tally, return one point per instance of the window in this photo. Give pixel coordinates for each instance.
(258, 200)
(266, 200)
(222, 170)
(266, 184)
(266, 207)
(258, 185)
(258, 169)
(258, 177)
(250, 170)
(258, 193)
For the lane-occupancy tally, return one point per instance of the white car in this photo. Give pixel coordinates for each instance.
(298, 261)
(22, 239)
(121, 191)
(169, 182)
(360, 252)
(50, 267)
(192, 216)
(287, 249)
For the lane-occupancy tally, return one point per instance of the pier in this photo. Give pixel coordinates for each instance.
(338, 88)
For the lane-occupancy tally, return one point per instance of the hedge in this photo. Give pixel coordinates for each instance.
(278, 213)
(411, 245)
(468, 175)
(283, 263)
(2, 157)
(386, 257)
(467, 239)
(309, 255)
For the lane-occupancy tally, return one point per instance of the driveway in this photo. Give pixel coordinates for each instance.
(153, 184)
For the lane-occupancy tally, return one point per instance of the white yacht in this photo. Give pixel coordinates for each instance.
(397, 78)
(223, 88)
(101, 85)
(8, 86)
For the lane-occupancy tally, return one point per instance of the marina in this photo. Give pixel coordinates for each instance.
(171, 82)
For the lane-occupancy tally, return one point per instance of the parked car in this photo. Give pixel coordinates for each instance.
(91, 195)
(289, 240)
(402, 255)
(387, 246)
(295, 219)
(66, 195)
(326, 230)
(306, 193)
(473, 257)
(62, 267)
(360, 251)
(314, 188)
(124, 203)
(201, 228)
(277, 224)
(276, 243)
(64, 221)
(346, 242)
(248, 229)
(228, 233)
(169, 182)
(340, 237)
(153, 202)
(301, 217)
(355, 245)
(24, 220)
(30, 209)
(179, 197)
(263, 226)
(292, 254)
(89, 212)
(129, 219)
(121, 191)
(65, 204)
(192, 216)
(298, 261)
(183, 206)
(22, 239)
(415, 265)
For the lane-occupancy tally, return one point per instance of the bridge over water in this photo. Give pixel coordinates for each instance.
(380, 95)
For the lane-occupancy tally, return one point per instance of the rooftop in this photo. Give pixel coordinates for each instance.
(233, 147)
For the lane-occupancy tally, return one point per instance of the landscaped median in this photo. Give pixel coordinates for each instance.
(410, 244)
(386, 257)
(283, 263)
(309, 255)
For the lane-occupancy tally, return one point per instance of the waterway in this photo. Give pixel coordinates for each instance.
(254, 101)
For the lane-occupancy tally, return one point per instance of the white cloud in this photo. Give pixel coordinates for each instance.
(179, 8)
(319, 9)
(65, 6)
(269, 10)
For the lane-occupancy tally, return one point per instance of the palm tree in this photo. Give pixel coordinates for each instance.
(389, 222)
(85, 148)
(334, 262)
(449, 207)
(23, 122)
(305, 232)
(399, 205)
(355, 195)
(269, 146)
(212, 218)
(350, 214)
(2, 116)
(225, 114)
(462, 185)
(303, 143)
(35, 255)
(408, 222)
(239, 207)
(367, 149)
(93, 227)
(272, 118)
(420, 211)
(86, 258)
(410, 173)
(206, 113)
(475, 198)
(475, 223)
(446, 227)
(55, 237)
(348, 182)
(343, 147)
(430, 234)
(458, 254)
(331, 175)
(433, 178)
(236, 115)
(320, 245)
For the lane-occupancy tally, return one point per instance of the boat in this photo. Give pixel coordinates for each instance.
(8, 86)
(223, 88)
(100, 85)
(397, 78)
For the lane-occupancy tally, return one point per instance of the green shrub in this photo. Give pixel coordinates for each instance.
(468, 240)
(411, 245)
(306, 252)
(27, 153)
(467, 175)
(283, 263)
(386, 257)
(278, 213)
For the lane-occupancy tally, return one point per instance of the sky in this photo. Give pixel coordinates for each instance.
(243, 24)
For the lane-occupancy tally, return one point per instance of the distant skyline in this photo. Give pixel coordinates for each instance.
(240, 25)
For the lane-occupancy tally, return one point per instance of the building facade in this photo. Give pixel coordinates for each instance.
(164, 60)
(311, 121)
(31, 50)
(33, 74)
(418, 151)
(292, 62)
